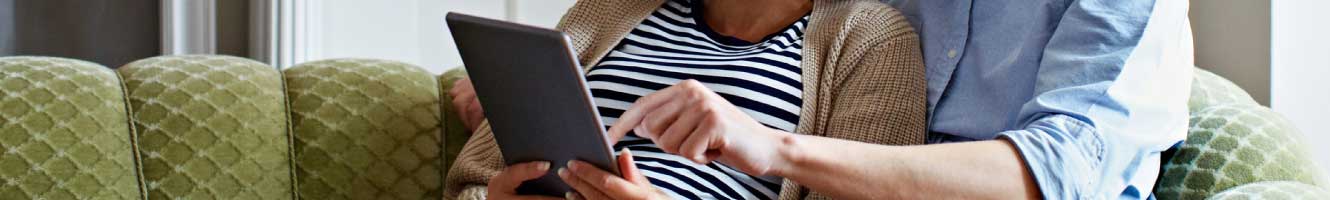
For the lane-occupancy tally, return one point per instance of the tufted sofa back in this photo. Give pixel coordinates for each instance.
(1238, 149)
(220, 127)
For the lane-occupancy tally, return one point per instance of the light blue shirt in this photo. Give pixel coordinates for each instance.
(1089, 91)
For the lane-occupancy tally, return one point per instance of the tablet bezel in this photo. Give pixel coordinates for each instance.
(475, 35)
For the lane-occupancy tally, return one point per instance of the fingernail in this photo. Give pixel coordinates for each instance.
(569, 195)
(563, 172)
(542, 166)
(570, 165)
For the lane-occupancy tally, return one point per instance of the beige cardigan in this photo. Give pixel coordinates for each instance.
(862, 72)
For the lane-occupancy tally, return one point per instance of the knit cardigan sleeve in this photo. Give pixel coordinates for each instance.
(479, 160)
(873, 91)
(879, 97)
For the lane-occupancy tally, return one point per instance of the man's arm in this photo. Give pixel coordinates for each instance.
(854, 170)
(1111, 94)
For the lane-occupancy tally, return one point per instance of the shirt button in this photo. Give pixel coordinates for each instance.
(951, 53)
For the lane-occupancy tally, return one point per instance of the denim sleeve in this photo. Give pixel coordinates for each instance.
(1110, 96)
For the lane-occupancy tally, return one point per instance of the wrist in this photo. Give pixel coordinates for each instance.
(788, 154)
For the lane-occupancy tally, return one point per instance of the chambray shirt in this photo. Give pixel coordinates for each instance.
(1089, 91)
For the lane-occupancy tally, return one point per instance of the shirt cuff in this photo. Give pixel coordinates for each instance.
(1062, 154)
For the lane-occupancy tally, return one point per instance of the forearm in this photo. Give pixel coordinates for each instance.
(855, 170)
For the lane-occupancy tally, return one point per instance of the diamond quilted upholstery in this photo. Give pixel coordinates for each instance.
(210, 127)
(365, 129)
(1234, 144)
(1209, 89)
(1273, 190)
(1232, 141)
(64, 131)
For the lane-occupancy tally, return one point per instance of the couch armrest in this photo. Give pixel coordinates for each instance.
(454, 133)
(1273, 190)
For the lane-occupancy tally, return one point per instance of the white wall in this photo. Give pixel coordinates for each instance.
(1300, 69)
(413, 31)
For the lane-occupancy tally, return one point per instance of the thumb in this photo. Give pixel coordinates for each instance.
(629, 169)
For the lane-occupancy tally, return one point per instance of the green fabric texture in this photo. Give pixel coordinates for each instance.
(64, 131)
(1232, 141)
(365, 129)
(210, 127)
(221, 127)
(454, 133)
(1209, 89)
(1273, 190)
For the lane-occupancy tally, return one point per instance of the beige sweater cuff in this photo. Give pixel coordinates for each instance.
(472, 192)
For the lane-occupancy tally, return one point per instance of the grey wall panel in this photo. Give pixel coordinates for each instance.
(233, 27)
(108, 32)
(6, 27)
(1233, 40)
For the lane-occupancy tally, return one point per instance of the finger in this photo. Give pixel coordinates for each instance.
(584, 189)
(571, 195)
(462, 88)
(696, 146)
(670, 142)
(660, 123)
(628, 168)
(474, 108)
(462, 82)
(670, 139)
(708, 138)
(462, 101)
(660, 118)
(608, 184)
(460, 85)
(515, 174)
(473, 100)
(463, 97)
(472, 119)
(633, 115)
(690, 94)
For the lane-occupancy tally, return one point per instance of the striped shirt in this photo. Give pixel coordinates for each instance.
(673, 44)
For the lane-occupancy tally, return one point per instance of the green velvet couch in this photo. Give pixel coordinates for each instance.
(220, 127)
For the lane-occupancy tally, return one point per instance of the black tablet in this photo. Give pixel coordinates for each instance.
(535, 97)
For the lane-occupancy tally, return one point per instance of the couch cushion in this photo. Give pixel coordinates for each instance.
(1234, 144)
(1208, 89)
(1273, 190)
(64, 131)
(210, 127)
(365, 129)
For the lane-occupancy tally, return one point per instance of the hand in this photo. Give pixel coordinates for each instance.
(592, 183)
(689, 120)
(504, 185)
(466, 104)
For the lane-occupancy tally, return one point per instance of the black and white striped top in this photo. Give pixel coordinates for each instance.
(673, 44)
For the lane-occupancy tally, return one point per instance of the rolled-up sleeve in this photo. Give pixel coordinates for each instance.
(1110, 96)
